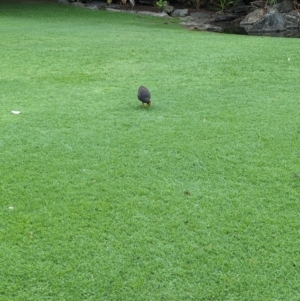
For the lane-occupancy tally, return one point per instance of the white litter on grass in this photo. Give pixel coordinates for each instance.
(11, 208)
(15, 112)
(289, 59)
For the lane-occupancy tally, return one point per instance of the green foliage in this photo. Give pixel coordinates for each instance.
(163, 5)
(224, 3)
(272, 2)
(160, 4)
(194, 198)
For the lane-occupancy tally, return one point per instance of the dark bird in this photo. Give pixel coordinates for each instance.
(144, 95)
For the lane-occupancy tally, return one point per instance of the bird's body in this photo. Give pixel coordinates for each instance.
(144, 95)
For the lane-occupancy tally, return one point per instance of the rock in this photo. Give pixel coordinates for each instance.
(93, 7)
(213, 28)
(198, 21)
(295, 13)
(225, 17)
(273, 21)
(79, 4)
(180, 12)
(162, 14)
(195, 25)
(282, 7)
(253, 17)
(114, 10)
(187, 19)
(199, 15)
(292, 22)
(258, 4)
(269, 23)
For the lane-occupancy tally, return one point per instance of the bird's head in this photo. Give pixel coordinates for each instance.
(149, 103)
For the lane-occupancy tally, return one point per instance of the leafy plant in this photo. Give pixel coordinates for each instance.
(164, 5)
(272, 2)
(160, 4)
(224, 3)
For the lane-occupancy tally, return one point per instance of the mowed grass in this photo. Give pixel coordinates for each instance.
(194, 198)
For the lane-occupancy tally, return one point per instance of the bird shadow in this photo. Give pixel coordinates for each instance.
(146, 108)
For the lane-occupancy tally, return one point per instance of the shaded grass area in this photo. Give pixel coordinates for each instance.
(194, 198)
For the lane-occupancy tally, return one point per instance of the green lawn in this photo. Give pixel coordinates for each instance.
(194, 198)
